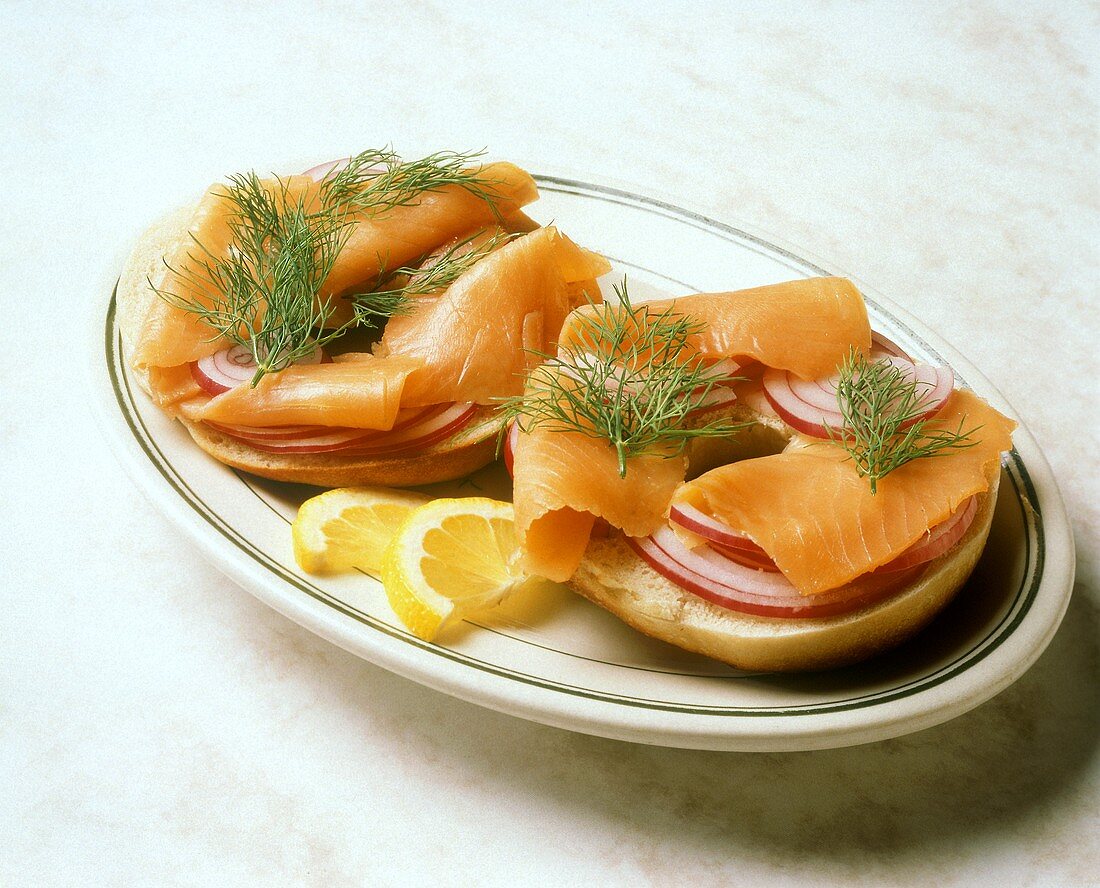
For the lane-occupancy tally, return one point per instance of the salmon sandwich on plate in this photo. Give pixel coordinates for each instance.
(755, 476)
(359, 323)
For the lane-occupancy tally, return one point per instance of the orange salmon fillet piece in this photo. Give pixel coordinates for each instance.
(175, 391)
(358, 391)
(565, 480)
(171, 336)
(805, 326)
(471, 340)
(411, 322)
(817, 519)
(403, 234)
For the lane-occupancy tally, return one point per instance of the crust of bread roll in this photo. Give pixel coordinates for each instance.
(133, 295)
(616, 579)
(467, 451)
(457, 456)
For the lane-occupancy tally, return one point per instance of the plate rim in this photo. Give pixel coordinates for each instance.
(826, 728)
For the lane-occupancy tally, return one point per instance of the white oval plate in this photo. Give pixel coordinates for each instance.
(565, 662)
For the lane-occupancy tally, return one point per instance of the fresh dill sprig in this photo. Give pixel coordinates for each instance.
(880, 404)
(420, 280)
(265, 289)
(264, 293)
(630, 380)
(375, 181)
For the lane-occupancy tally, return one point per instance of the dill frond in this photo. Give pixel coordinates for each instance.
(376, 181)
(881, 404)
(630, 380)
(421, 280)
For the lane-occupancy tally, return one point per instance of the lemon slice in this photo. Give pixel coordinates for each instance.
(349, 527)
(451, 558)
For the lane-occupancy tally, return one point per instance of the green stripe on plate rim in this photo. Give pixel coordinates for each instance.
(1017, 473)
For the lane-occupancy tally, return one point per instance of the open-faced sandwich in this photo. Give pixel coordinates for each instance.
(358, 323)
(754, 476)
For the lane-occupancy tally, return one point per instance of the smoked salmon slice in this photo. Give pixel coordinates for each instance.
(565, 480)
(472, 340)
(400, 235)
(816, 517)
(171, 336)
(175, 391)
(805, 326)
(358, 391)
(421, 290)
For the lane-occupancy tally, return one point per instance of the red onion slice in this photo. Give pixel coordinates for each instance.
(748, 557)
(273, 433)
(706, 561)
(334, 441)
(883, 347)
(416, 428)
(819, 393)
(287, 432)
(369, 443)
(766, 595)
(233, 366)
(727, 368)
(702, 585)
(795, 412)
(718, 396)
(710, 529)
(808, 405)
(936, 384)
(322, 170)
(224, 369)
(735, 545)
(423, 434)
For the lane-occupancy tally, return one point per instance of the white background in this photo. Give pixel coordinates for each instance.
(160, 726)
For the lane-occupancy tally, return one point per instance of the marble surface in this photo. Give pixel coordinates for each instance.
(159, 726)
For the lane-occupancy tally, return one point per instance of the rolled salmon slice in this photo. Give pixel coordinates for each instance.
(474, 341)
(399, 236)
(170, 336)
(805, 326)
(817, 519)
(175, 391)
(358, 391)
(565, 480)
(482, 241)
(420, 287)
